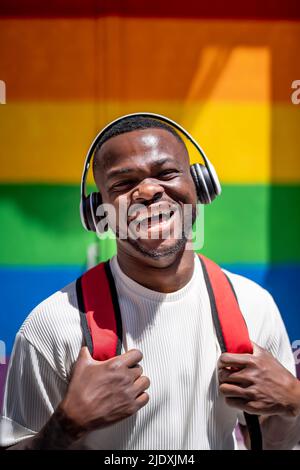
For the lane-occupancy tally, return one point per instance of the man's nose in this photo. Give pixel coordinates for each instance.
(147, 191)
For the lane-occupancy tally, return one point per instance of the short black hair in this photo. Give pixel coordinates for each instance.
(133, 123)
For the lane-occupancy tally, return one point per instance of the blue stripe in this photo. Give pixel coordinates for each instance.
(283, 283)
(22, 288)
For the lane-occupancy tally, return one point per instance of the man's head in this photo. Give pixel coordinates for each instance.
(143, 161)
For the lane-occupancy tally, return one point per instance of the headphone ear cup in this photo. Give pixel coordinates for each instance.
(203, 183)
(89, 210)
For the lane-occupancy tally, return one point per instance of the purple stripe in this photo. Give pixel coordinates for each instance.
(3, 371)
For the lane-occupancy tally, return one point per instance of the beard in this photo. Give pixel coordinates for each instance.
(154, 253)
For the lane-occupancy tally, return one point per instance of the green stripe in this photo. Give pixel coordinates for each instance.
(254, 223)
(248, 223)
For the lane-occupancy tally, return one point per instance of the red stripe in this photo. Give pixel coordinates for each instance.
(100, 313)
(233, 326)
(234, 9)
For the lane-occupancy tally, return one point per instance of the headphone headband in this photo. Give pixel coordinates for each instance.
(159, 117)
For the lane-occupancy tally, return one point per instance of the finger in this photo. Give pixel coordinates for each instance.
(234, 360)
(136, 372)
(240, 378)
(140, 385)
(130, 358)
(142, 400)
(234, 391)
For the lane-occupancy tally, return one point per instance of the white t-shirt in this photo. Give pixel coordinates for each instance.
(176, 335)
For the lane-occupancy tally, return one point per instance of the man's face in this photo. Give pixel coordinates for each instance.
(148, 173)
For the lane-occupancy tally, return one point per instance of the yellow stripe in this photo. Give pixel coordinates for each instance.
(148, 59)
(248, 143)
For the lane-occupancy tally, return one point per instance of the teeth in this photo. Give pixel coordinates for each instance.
(160, 216)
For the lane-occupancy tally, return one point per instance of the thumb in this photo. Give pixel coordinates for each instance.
(83, 359)
(84, 355)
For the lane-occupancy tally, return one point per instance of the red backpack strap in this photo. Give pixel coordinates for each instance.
(100, 312)
(230, 326)
(229, 322)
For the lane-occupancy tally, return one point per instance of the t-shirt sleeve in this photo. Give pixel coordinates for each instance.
(33, 390)
(274, 338)
(278, 342)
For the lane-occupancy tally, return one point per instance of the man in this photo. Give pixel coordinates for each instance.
(162, 392)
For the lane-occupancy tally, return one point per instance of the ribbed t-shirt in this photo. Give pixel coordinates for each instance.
(176, 335)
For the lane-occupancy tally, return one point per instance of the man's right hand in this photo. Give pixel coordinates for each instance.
(102, 393)
(99, 394)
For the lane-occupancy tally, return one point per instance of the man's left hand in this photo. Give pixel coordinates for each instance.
(258, 383)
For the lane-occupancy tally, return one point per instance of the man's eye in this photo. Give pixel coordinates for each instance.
(168, 173)
(122, 185)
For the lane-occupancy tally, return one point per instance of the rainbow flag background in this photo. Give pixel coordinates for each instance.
(224, 70)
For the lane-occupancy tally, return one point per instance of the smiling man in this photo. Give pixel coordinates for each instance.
(150, 169)
(58, 396)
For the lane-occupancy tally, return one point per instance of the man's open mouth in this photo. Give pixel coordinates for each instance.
(160, 219)
(154, 219)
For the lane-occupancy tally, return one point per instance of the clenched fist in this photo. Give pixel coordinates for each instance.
(101, 393)
(258, 383)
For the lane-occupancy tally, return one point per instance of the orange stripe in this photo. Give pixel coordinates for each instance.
(148, 59)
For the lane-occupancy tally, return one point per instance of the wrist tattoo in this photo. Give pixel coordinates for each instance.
(58, 433)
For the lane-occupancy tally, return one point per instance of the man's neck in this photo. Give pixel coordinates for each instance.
(161, 277)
